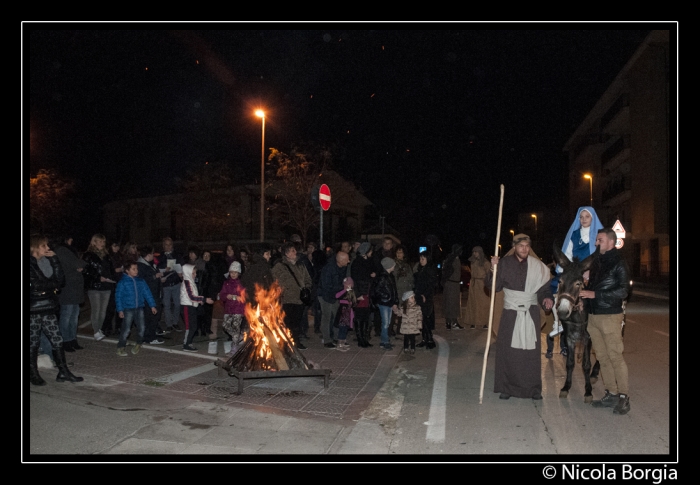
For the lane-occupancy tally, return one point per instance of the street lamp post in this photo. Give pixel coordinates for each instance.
(590, 180)
(261, 114)
(512, 233)
(536, 236)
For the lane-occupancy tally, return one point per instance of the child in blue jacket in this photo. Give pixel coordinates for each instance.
(131, 294)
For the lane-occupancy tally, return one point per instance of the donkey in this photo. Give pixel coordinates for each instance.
(574, 317)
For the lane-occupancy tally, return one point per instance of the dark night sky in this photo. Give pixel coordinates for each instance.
(428, 119)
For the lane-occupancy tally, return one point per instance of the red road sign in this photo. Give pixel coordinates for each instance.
(324, 197)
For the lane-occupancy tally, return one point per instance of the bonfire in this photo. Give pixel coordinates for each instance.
(268, 344)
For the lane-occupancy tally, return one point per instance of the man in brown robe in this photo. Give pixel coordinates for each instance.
(524, 280)
(478, 302)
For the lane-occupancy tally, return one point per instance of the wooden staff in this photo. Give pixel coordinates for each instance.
(493, 301)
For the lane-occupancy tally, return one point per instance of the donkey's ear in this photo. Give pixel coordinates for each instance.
(559, 257)
(586, 263)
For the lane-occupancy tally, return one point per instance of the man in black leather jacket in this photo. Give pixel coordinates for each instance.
(608, 287)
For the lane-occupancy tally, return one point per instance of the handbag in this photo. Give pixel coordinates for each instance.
(304, 293)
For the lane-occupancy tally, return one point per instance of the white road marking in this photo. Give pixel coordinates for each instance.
(181, 376)
(438, 402)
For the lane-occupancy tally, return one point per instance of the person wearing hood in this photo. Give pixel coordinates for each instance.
(451, 282)
(478, 301)
(234, 309)
(189, 301)
(579, 243)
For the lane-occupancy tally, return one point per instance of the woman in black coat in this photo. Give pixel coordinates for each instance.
(46, 278)
(99, 282)
(425, 279)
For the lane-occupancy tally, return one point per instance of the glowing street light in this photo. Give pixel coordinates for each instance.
(535, 217)
(590, 179)
(261, 114)
(512, 233)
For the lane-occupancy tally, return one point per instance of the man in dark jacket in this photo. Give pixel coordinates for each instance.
(608, 287)
(330, 284)
(150, 274)
(171, 263)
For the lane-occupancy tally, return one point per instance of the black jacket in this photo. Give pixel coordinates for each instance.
(609, 279)
(361, 271)
(148, 271)
(424, 281)
(43, 291)
(94, 269)
(385, 292)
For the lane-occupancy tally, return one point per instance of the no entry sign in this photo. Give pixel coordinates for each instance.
(324, 197)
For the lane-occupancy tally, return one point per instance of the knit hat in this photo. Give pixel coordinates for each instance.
(408, 294)
(388, 263)
(349, 282)
(235, 266)
(364, 248)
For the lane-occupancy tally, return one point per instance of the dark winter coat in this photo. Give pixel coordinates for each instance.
(331, 283)
(361, 272)
(74, 291)
(609, 279)
(96, 268)
(424, 279)
(148, 272)
(43, 290)
(385, 292)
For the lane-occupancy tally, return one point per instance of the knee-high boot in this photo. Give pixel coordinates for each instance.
(366, 332)
(59, 357)
(360, 331)
(34, 376)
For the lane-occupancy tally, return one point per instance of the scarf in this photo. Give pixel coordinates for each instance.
(524, 333)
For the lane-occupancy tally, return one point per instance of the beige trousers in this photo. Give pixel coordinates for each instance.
(606, 335)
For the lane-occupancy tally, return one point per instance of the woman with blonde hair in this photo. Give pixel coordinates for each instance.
(46, 278)
(98, 281)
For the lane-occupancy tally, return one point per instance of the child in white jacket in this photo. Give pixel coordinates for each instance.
(189, 301)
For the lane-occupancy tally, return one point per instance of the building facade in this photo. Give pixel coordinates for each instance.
(623, 147)
(213, 218)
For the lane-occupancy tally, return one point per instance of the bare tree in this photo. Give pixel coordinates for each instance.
(50, 201)
(295, 176)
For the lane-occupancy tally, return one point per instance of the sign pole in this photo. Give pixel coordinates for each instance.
(320, 244)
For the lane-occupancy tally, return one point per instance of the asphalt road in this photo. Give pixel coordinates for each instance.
(428, 405)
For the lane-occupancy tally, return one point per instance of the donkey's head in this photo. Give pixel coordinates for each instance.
(570, 281)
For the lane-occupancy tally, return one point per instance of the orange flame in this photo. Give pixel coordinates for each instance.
(267, 314)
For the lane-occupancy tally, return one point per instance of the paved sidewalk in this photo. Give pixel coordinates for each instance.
(356, 374)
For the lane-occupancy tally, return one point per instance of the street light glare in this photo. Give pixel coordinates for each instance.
(259, 113)
(586, 176)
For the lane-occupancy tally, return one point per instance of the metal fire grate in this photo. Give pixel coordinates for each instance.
(264, 374)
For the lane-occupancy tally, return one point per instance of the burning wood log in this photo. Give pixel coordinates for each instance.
(268, 344)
